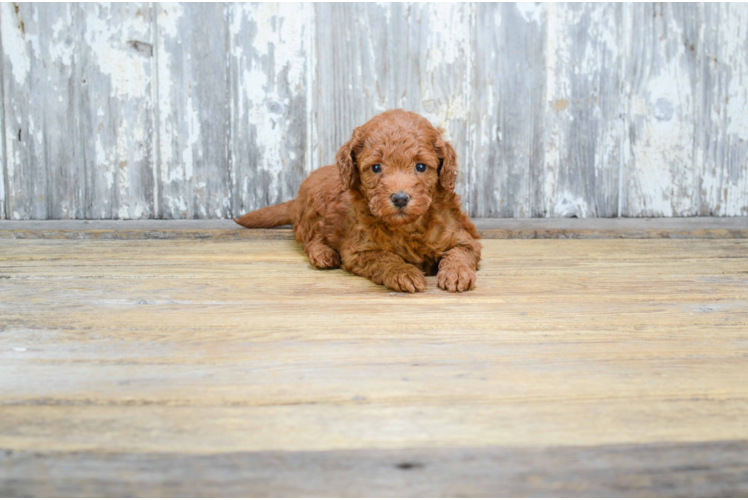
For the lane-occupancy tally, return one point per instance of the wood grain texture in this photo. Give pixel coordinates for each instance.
(3, 160)
(193, 108)
(139, 111)
(271, 62)
(77, 103)
(117, 123)
(711, 469)
(42, 81)
(584, 110)
(612, 351)
(663, 87)
(539, 228)
(723, 147)
(509, 87)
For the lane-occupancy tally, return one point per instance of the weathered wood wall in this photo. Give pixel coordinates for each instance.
(210, 110)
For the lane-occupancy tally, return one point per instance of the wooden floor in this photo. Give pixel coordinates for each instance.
(224, 367)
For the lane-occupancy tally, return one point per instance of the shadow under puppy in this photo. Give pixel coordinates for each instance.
(387, 211)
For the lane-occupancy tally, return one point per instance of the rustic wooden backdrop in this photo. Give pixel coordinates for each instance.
(210, 110)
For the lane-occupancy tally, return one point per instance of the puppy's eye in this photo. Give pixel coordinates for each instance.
(376, 168)
(421, 167)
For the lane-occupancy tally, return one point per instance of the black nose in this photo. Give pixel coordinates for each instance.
(400, 199)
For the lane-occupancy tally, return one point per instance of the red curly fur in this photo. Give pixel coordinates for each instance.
(345, 217)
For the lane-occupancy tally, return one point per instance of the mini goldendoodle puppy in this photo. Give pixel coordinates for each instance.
(387, 211)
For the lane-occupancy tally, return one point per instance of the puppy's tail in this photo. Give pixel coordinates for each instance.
(277, 215)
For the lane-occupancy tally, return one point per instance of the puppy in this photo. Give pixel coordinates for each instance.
(387, 210)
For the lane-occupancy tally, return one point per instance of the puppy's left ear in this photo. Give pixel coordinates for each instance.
(447, 162)
(346, 159)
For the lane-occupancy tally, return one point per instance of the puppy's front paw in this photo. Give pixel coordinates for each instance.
(323, 257)
(405, 279)
(456, 278)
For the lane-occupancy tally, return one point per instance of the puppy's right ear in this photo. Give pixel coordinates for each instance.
(448, 162)
(346, 159)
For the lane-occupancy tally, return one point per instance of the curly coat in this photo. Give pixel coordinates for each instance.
(387, 211)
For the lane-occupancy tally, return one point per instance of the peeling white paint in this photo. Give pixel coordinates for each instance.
(3, 214)
(191, 141)
(61, 49)
(118, 79)
(169, 15)
(557, 56)
(36, 134)
(14, 45)
(724, 150)
(557, 86)
(263, 88)
(663, 173)
(531, 12)
(445, 55)
(386, 8)
(735, 36)
(104, 164)
(654, 144)
(570, 205)
(551, 50)
(311, 162)
(448, 34)
(140, 212)
(168, 18)
(108, 42)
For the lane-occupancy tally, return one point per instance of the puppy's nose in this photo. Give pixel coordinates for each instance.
(400, 199)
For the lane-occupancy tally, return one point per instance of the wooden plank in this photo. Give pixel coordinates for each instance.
(3, 161)
(3, 158)
(663, 89)
(679, 228)
(711, 469)
(563, 110)
(508, 113)
(225, 348)
(723, 176)
(271, 64)
(583, 109)
(77, 111)
(41, 80)
(193, 109)
(384, 56)
(116, 113)
(269, 343)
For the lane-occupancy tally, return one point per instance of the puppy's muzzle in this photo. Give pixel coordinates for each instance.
(400, 199)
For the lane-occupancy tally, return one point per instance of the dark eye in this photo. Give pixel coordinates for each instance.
(376, 168)
(421, 167)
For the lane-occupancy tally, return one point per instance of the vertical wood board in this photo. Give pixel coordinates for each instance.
(507, 110)
(723, 153)
(131, 111)
(662, 87)
(41, 82)
(584, 109)
(193, 110)
(270, 63)
(116, 110)
(3, 167)
(76, 81)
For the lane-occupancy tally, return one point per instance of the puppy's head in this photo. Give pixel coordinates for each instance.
(398, 161)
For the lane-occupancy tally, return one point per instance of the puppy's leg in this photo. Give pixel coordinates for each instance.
(322, 256)
(458, 265)
(385, 268)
